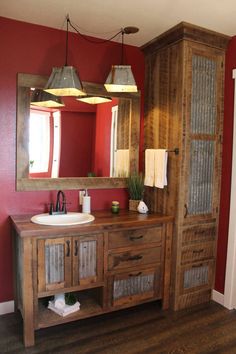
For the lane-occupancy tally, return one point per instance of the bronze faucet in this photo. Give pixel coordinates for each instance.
(60, 205)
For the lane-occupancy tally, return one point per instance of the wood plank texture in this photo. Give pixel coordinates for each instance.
(145, 329)
(183, 109)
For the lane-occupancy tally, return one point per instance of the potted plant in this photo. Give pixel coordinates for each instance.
(135, 184)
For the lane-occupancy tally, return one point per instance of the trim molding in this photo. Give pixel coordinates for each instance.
(6, 307)
(217, 297)
(230, 273)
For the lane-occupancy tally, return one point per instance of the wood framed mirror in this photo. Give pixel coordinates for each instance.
(25, 181)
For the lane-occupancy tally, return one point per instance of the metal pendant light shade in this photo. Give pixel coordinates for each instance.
(41, 98)
(121, 79)
(64, 82)
(94, 99)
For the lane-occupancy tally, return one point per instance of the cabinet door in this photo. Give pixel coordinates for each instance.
(87, 259)
(134, 286)
(204, 92)
(54, 263)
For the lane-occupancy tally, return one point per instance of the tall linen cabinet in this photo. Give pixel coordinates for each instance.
(184, 109)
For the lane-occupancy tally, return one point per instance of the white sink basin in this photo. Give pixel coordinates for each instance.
(62, 219)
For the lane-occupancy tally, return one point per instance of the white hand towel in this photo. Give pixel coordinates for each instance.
(67, 310)
(122, 163)
(160, 158)
(59, 301)
(149, 167)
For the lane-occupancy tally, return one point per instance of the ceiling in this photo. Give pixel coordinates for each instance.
(103, 18)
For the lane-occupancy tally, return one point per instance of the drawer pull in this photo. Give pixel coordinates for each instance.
(197, 265)
(135, 258)
(76, 248)
(135, 275)
(134, 238)
(198, 251)
(186, 210)
(67, 248)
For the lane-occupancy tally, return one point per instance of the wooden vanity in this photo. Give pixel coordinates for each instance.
(114, 262)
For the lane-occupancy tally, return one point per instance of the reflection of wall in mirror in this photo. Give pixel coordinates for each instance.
(122, 156)
(103, 139)
(77, 143)
(85, 142)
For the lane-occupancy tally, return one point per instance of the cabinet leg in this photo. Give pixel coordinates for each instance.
(28, 335)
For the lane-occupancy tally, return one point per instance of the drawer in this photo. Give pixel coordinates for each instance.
(195, 234)
(194, 298)
(198, 276)
(134, 287)
(197, 252)
(125, 238)
(134, 258)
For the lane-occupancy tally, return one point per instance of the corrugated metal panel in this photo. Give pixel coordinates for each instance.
(201, 177)
(195, 277)
(88, 259)
(133, 286)
(54, 263)
(203, 102)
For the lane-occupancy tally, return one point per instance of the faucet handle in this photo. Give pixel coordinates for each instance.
(63, 208)
(51, 208)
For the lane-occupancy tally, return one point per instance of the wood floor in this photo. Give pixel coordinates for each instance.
(144, 329)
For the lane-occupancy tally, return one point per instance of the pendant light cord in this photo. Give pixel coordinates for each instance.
(67, 37)
(122, 47)
(90, 40)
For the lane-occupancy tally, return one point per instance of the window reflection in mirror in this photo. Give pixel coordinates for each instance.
(87, 140)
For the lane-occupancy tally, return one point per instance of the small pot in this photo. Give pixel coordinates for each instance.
(133, 204)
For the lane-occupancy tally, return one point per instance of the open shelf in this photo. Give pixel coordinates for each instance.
(89, 306)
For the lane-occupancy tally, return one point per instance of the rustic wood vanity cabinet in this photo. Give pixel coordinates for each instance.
(114, 262)
(184, 109)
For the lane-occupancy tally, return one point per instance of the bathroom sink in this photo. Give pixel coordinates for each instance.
(71, 218)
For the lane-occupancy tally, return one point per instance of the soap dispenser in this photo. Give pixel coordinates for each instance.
(86, 205)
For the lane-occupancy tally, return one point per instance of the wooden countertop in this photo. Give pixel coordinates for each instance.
(104, 221)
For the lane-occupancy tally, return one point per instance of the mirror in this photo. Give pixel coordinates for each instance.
(29, 181)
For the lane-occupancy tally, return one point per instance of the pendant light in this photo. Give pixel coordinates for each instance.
(94, 99)
(121, 78)
(64, 81)
(41, 98)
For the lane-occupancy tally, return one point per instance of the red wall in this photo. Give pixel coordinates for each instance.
(77, 143)
(226, 167)
(36, 49)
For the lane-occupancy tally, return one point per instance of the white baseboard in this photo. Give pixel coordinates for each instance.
(217, 297)
(6, 307)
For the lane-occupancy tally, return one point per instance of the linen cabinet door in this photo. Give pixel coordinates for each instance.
(54, 264)
(205, 72)
(134, 286)
(87, 259)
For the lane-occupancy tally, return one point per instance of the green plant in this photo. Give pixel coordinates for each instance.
(135, 184)
(70, 299)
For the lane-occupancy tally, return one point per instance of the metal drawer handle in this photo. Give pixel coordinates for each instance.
(186, 210)
(133, 238)
(76, 247)
(197, 265)
(135, 258)
(135, 275)
(68, 249)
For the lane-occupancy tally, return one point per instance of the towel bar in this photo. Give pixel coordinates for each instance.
(176, 151)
